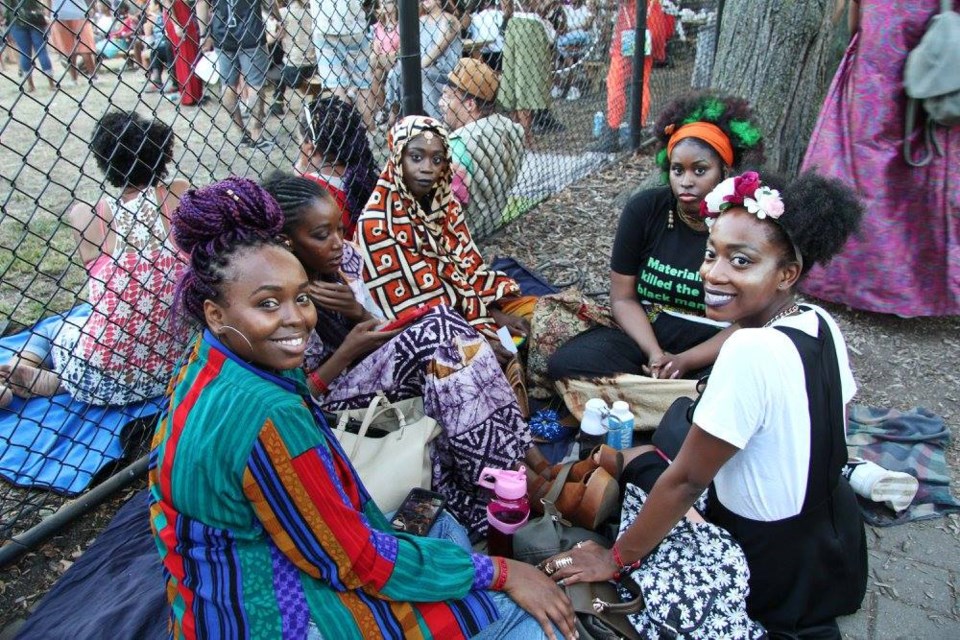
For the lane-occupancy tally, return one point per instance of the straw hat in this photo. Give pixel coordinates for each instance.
(475, 78)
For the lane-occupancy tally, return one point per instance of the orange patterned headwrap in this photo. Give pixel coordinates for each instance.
(706, 131)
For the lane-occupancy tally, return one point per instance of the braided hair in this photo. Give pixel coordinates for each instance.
(731, 115)
(294, 194)
(132, 150)
(212, 224)
(338, 134)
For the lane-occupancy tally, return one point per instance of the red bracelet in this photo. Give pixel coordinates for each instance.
(501, 580)
(624, 568)
(319, 386)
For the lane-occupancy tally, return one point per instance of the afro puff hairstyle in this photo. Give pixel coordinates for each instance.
(732, 115)
(819, 215)
(131, 150)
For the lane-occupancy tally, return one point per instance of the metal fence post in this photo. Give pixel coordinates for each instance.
(636, 83)
(409, 23)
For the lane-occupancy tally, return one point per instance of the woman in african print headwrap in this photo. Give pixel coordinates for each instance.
(417, 249)
(439, 357)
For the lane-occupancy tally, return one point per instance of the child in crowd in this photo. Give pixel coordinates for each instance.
(299, 54)
(386, 46)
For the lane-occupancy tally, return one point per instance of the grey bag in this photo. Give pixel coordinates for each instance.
(931, 78)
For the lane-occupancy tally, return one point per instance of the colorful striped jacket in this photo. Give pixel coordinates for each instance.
(263, 525)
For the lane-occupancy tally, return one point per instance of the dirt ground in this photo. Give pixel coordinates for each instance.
(899, 363)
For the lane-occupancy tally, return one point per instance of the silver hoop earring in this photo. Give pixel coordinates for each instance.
(238, 332)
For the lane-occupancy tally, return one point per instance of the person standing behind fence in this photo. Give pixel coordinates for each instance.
(299, 54)
(486, 147)
(27, 21)
(386, 46)
(906, 259)
(335, 153)
(342, 40)
(72, 35)
(527, 65)
(183, 32)
(125, 349)
(237, 30)
(620, 72)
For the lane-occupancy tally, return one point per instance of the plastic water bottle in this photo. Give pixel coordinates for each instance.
(593, 431)
(508, 511)
(598, 122)
(620, 426)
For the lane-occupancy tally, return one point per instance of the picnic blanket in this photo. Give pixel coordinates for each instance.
(120, 574)
(910, 441)
(56, 442)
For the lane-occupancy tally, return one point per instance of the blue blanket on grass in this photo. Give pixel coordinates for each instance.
(58, 443)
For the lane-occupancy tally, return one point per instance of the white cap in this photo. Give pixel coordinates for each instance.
(621, 407)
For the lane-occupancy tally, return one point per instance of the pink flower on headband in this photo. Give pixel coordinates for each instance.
(742, 191)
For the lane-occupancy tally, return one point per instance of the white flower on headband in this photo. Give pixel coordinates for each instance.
(743, 191)
(765, 202)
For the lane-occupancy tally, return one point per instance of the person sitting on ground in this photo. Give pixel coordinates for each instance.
(349, 360)
(125, 350)
(417, 248)
(335, 152)
(249, 487)
(486, 147)
(656, 294)
(768, 434)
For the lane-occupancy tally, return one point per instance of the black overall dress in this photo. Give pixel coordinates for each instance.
(807, 569)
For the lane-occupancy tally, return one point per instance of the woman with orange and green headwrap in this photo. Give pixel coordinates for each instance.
(656, 294)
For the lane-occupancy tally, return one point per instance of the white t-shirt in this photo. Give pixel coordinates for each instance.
(756, 400)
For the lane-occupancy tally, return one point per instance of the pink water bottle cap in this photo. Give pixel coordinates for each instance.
(507, 484)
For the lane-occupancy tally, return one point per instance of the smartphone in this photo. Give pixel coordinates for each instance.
(419, 510)
(405, 318)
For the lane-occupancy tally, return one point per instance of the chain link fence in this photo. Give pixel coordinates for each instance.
(535, 93)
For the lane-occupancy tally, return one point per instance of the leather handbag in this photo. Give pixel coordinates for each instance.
(600, 614)
(389, 445)
(551, 533)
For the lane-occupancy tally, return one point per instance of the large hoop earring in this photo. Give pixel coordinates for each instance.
(238, 332)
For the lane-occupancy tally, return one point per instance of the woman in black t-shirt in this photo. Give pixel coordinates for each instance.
(655, 290)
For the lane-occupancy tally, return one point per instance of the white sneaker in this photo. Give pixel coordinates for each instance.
(573, 94)
(556, 92)
(871, 481)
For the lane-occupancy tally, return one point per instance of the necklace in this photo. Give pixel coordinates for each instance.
(789, 311)
(691, 221)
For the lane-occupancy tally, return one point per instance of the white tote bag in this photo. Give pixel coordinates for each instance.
(391, 465)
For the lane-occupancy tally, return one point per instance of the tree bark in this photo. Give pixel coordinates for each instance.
(776, 54)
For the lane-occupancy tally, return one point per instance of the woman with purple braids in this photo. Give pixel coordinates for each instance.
(335, 153)
(264, 528)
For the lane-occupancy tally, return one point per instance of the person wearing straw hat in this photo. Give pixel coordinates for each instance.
(487, 147)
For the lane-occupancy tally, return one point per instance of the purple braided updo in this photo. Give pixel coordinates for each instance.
(213, 223)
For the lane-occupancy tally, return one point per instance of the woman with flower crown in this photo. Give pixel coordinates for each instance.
(656, 295)
(768, 434)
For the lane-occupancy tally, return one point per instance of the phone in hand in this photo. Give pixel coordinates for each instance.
(419, 510)
(406, 318)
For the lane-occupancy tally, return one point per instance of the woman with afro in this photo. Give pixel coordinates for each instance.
(656, 294)
(124, 351)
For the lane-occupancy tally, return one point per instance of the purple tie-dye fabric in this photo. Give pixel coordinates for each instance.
(906, 258)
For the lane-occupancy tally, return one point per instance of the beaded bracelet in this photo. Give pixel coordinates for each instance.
(319, 386)
(624, 568)
(501, 580)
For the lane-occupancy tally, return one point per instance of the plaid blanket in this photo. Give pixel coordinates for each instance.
(910, 441)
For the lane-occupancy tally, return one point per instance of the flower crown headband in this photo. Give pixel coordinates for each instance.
(748, 192)
(742, 191)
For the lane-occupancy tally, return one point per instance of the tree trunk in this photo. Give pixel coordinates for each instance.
(776, 54)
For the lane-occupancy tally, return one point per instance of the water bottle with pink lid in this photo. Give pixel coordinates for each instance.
(508, 510)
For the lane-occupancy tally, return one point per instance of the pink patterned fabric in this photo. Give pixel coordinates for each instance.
(906, 258)
(126, 350)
